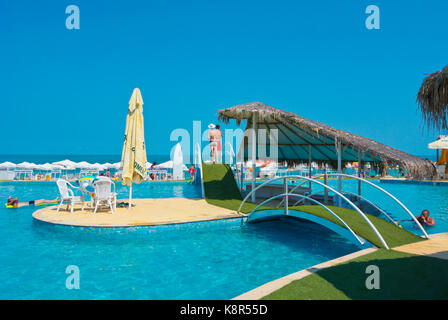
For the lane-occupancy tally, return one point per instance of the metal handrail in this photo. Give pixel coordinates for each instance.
(375, 230)
(356, 195)
(384, 191)
(199, 164)
(313, 200)
(231, 152)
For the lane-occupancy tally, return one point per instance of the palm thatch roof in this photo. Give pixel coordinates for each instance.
(296, 134)
(432, 99)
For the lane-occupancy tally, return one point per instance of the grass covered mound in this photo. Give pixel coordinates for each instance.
(221, 189)
(402, 276)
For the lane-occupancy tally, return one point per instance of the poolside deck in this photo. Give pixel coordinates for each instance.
(146, 212)
(436, 247)
(340, 278)
(409, 181)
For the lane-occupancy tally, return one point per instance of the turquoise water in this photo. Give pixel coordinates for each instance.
(206, 260)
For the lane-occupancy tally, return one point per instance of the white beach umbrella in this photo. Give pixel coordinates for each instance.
(108, 165)
(65, 163)
(442, 143)
(47, 166)
(83, 165)
(165, 165)
(39, 167)
(99, 166)
(26, 165)
(7, 165)
(169, 165)
(148, 165)
(116, 165)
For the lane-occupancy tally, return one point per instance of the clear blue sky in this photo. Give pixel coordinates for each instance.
(66, 91)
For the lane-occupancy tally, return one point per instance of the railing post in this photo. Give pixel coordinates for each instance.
(326, 183)
(339, 145)
(285, 181)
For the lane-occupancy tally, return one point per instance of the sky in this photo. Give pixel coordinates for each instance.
(67, 91)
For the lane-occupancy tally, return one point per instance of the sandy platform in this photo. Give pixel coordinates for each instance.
(145, 213)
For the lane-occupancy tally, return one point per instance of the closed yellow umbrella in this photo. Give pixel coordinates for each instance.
(133, 157)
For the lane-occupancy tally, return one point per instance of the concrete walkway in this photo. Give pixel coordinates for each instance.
(145, 213)
(436, 247)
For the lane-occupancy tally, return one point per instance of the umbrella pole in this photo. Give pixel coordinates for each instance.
(130, 196)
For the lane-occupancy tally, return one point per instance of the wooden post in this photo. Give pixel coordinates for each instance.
(286, 197)
(326, 183)
(309, 165)
(130, 196)
(339, 145)
(359, 176)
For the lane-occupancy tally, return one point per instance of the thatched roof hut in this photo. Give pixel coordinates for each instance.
(432, 99)
(296, 134)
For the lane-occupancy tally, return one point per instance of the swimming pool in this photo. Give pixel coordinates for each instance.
(205, 260)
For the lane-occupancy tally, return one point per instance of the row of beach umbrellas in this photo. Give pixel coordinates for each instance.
(71, 165)
(60, 165)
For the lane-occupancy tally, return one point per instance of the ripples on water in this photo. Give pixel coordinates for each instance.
(206, 260)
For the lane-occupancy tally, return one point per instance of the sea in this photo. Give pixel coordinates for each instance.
(101, 158)
(50, 158)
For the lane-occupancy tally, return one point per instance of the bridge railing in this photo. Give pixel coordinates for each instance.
(358, 195)
(286, 193)
(198, 163)
(314, 201)
(382, 190)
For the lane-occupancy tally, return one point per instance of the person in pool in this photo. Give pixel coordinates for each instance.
(424, 218)
(14, 202)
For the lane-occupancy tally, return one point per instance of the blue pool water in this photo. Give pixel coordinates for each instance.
(206, 260)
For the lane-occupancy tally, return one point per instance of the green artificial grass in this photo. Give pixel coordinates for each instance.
(402, 276)
(221, 189)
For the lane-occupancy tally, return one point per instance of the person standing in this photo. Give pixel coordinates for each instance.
(192, 172)
(212, 137)
(218, 147)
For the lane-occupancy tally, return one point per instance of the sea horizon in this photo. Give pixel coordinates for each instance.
(91, 158)
(100, 158)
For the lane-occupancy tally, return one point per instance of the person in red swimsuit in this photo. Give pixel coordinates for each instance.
(192, 172)
(219, 147)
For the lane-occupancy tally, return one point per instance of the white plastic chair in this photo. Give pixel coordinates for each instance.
(104, 193)
(68, 195)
